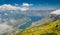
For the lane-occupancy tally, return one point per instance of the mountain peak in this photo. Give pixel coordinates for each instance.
(56, 12)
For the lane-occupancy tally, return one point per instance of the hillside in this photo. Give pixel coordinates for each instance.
(47, 26)
(50, 28)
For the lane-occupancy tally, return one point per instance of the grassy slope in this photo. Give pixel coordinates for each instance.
(51, 28)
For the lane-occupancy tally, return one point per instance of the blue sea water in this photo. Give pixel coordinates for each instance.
(33, 19)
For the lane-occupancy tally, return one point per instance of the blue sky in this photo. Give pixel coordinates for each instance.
(36, 3)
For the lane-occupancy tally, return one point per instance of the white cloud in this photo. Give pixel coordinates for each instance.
(11, 7)
(27, 5)
(8, 7)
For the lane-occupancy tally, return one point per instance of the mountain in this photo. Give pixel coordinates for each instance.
(15, 20)
(47, 26)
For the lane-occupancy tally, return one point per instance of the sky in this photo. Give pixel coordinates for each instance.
(39, 4)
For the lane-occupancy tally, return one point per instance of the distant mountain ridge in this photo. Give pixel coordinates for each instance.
(54, 15)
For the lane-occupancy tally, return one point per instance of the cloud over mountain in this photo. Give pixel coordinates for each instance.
(56, 12)
(11, 7)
